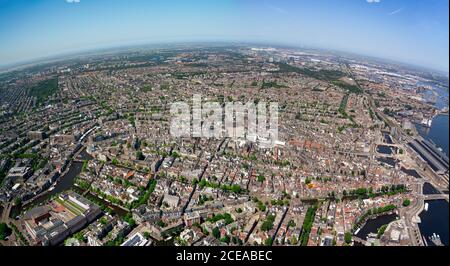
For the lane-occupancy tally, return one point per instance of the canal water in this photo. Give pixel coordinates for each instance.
(387, 138)
(101, 202)
(429, 189)
(384, 149)
(411, 172)
(67, 182)
(387, 160)
(435, 220)
(165, 243)
(372, 225)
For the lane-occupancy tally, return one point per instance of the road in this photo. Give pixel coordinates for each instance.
(410, 216)
(437, 197)
(6, 211)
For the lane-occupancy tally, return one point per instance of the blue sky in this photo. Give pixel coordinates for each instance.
(411, 31)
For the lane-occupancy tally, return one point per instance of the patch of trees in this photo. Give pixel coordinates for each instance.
(268, 223)
(365, 193)
(307, 225)
(43, 89)
(5, 231)
(226, 217)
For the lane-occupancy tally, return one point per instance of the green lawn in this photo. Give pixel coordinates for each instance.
(70, 206)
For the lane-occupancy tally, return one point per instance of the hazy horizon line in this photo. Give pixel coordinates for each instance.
(66, 54)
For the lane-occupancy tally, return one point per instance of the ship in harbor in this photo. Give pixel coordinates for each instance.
(436, 240)
(426, 122)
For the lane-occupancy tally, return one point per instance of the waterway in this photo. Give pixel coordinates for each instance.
(429, 189)
(435, 220)
(411, 172)
(387, 138)
(165, 243)
(66, 182)
(387, 160)
(372, 225)
(442, 95)
(439, 130)
(101, 202)
(384, 149)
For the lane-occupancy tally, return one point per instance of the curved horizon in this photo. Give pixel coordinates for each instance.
(63, 55)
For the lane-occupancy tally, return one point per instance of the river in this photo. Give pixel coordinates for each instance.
(435, 220)
(439, 130)
(441, 92)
